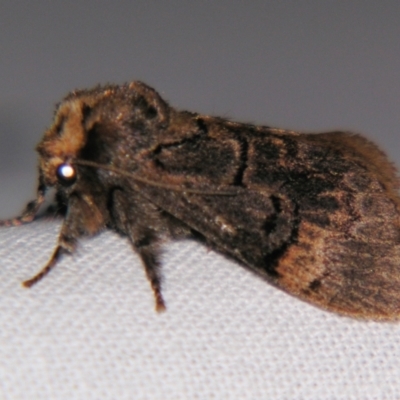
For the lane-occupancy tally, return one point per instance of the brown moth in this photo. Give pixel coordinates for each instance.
(316, 214)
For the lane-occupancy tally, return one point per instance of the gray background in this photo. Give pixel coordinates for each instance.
(303, 65)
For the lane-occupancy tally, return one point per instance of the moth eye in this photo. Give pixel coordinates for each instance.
(66, 174)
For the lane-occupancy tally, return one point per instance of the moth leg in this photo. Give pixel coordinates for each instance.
(48, 267)
(147, 247)
(30, 211)
(66, 245)
(142, 224)
(74, 227)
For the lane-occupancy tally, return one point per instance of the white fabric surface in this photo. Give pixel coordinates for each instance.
(89, 330)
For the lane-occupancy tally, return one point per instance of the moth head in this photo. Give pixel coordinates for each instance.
(99, 125)
(66, 174)
(62, 143)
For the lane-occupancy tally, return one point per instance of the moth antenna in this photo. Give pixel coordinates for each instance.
(30, 211)
(216, 192)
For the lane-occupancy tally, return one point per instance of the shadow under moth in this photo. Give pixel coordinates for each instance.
(316, 215)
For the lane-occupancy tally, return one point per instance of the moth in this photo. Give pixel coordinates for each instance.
(316, 215)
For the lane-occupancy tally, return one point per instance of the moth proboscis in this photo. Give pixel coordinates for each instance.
(316, 215)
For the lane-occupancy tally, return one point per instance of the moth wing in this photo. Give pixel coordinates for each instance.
(241, 225)
(336, 261)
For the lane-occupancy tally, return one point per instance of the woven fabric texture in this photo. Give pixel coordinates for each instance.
(89, 330)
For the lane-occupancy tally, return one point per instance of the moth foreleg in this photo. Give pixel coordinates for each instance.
(30, 210)
(79, 216)
(47, 268)
(66, 245)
